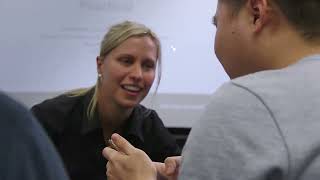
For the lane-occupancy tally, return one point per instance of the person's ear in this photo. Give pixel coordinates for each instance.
(99, 61)
(260, 13)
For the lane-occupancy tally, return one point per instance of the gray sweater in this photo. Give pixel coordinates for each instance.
(259, 127)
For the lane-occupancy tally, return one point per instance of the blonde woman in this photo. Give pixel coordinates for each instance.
(80, 122)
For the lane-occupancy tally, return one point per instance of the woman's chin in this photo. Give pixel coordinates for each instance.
(129, 103)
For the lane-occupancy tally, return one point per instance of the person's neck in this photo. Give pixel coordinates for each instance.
(112, 117)
(288, 49)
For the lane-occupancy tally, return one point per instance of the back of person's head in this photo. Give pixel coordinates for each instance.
(26, 150)
(301, 14)
(259, 35)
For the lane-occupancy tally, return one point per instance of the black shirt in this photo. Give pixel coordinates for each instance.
(80, 141)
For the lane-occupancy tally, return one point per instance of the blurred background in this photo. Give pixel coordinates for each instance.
(50, 46)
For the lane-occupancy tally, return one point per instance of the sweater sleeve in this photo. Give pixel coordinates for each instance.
(236, 138)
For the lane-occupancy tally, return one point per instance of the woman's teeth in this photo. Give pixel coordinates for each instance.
(131, 88)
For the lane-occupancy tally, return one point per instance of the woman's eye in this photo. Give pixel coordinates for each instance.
(125, 60)
(149, 66)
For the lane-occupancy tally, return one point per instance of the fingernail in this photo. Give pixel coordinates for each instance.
(115, 135)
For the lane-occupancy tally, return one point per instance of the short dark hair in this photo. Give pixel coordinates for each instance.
(302, 14)
(235, 4)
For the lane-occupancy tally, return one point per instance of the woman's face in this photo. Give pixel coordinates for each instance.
(127, 72)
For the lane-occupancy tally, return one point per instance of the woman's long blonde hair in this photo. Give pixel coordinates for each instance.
(116, 35)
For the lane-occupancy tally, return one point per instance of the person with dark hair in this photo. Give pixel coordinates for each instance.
(81, 121)
(263, 124)
(26, 151)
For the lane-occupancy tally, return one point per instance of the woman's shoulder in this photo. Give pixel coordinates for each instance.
(148, 118)
(63, 102)
(60, 103)
(52, 113)
(146, 113)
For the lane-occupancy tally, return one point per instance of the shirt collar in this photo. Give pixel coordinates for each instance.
(134, 124)
(310, 58)
(132, 127)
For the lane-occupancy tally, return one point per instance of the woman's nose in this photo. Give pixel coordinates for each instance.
(136, 72)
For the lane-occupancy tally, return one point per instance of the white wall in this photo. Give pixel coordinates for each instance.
(50, 45)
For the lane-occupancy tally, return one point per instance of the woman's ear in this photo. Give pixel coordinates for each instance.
(99, 61)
